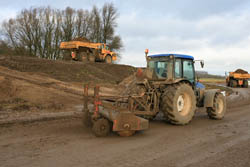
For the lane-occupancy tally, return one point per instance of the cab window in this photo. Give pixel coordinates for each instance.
(188, 70)
(177, 68)
(160, 68)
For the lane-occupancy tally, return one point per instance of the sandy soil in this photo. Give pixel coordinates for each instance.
(31, 87)
(66, 142)
(25, 94)
(69, 71)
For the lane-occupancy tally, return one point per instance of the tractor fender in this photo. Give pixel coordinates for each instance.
(182, 80)
(209, 97)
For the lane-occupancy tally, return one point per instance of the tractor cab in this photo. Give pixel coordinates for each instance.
(172, 68)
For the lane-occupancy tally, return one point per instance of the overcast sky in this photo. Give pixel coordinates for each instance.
(217, 31)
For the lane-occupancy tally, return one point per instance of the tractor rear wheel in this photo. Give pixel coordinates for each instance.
(245, 84)
(178, 104)
(108, 59)
(101, 127)
(219, 108)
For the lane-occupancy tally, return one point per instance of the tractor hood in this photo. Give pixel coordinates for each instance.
(200, 85)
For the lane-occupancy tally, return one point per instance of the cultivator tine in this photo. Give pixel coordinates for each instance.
(86, 114)
(97, 101)
(85, 105)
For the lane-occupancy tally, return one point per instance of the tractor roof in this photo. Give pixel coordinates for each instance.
(175, 55)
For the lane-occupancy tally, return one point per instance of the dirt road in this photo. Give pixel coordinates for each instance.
(66, 143)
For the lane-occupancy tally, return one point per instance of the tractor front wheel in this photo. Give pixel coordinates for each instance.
(178, 103)
(219, 108)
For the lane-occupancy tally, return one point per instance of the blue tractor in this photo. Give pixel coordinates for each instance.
(169, 85)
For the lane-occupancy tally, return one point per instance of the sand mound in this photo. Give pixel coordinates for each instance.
(241, 71)
(82, 39)
(70, 71)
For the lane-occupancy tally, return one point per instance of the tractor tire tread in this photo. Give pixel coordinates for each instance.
(211, 111)
(167, 104)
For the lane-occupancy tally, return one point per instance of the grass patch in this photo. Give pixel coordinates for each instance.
(212, 80)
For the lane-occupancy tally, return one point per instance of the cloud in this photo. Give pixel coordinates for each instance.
(216, 31)
(218, 39)
(187, 9)
(224, 29)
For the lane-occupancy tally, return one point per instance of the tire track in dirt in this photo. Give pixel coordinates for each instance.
(161, 145)
(51, 83)
(188, 149)
(41, 81)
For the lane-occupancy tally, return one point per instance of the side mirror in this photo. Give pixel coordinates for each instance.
(202, 64)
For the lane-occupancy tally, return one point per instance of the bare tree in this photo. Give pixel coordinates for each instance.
(35, 31)
(116, 43)
(9, 30)
(57, 34)
(83, 23)
(109, 16)
(95, 34)
(68, 22)
(39, 31)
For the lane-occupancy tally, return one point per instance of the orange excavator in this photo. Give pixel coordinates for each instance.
(83, 50)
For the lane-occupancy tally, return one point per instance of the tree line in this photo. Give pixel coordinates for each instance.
(39, 31)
